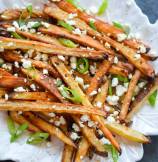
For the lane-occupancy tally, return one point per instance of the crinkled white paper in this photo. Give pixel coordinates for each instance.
(145, 121)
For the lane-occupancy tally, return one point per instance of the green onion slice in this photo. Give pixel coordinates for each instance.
(16, 35)
(37, 138)
(70, 94)
(82, 65)
(152, 98)
(110, 90)
(122, 79)
(125, 28)
(76, 4)
(11, 126)
(92, 25)
(37, 25)
(65, 25)
(29, 9)
(103, 7)
(67, 43)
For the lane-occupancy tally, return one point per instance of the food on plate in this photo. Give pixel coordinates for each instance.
(66, 73)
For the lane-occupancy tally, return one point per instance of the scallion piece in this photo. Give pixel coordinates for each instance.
(82, 65)
(65, 25)
(103, 7)
(70, 94)
(37, 25)
(110, 90)
(92, 25)
(125, 28)
(29, 9)
(37, 138)
(16, 35)
(76, 4)
(15, 132)
(152, 98)
(122, 79)
(67, 43)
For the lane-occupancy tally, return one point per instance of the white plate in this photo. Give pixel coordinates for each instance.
(145, 121)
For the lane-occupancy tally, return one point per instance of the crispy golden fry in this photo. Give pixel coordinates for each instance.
(11, 81)
(101, 26)
(128, 96)
(67, 153)
(32, 96)
(74, 85)
(4, 72)
(90, 136)
(44, 81)
(84, 40)
(149, 57)
(11, 44)
(13, 14)
(124, 65)
(13, 56)
(118, 71)
(102, 70)
(127, 133)
(129, 53)
(21, 120)
(52, 130)
(100, 99)
(48, 107)
(82, 150)
(141, 98)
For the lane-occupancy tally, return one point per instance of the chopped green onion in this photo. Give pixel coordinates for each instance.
(125, 28)
(29, 9)
(92, 25)
(122, 79)
(66, 92)
(1, 62)
(152, 98)
(110, 90)
(58, 82)
(103, 7)
(21, 21)
(76, 4)
(16, 35)
(82, 65)
(67, 43)
(36, 25)
(15, 132)
(37, 138)
(113, 151)
(65, 25)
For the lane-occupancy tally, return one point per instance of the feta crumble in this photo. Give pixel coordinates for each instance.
(74, 136)
(26, 63)
(110, 119)
(45, 71)
(116, 60)
(137, 56)
(85, 118)
(120, 90)
(114, 82)
(121, 37)
(79, 80)
(19, 89)
(11, 29)
(112, 100)
(52, 115)
(75, 127)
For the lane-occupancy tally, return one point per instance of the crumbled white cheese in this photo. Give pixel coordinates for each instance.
(38, 57)
(76, 127)
(107, 45)
(16, 25)
(62, 120)
(57, 123)
(73, 65)
(121, 37)
(114, 82)
(77, 31)
(85, 118)
(142, 49)
(110, 119)
(45, 24)
(7, 66)
(126, 85)
(115, 113)
(70, 22)
(141, 84)
(92, 20)
(19, 89)
(105, 141)
(116, 60)
(81, 124)
(30, 24)
(112, 100)
(44, 57)
(74, 136)
(130, 76)
(79, 80)
(33, 87)
(93, 93)
(6, 96)
(91, 124)
(52, 115)
(100, 132)
(11, 29)
(137, 56)
(20, 112)
(10, 44)
(72, 15)
(26, 63)
(120, 90)
(16, 64)
(86, 86)
(45, 71)
(60, 57)
(32, 30)
(92, 69)
(98, 104)
(107, 108)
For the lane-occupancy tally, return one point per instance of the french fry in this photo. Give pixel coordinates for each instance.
(102, 70)
(32, 96)
(129, 53)
(128, 96)
(101, 26)
(84, 40)
(67, 153)
(82, 150)
(13, 56)
(4, 72)
(127, 133)
(52, 130)
(48, 107)
(11, 81)
(12, 44)
(74, 85)
(21, 120)
(90, 136)
(44, 81)
(100, 99)
(141, 98)
(118, 71)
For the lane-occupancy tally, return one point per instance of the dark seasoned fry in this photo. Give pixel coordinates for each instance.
(67, 153)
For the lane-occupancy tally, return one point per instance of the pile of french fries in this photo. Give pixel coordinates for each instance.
(61, 76)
